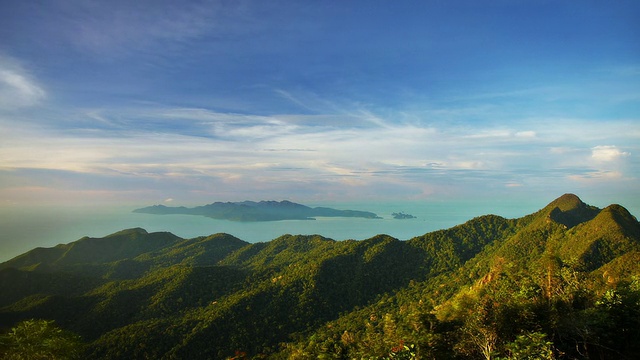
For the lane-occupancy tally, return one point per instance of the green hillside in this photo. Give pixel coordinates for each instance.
(561, 283)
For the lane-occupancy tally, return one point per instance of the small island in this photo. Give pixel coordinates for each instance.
(257, 211)
(400, 215)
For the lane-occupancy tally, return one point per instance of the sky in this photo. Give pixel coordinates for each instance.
(191, 102)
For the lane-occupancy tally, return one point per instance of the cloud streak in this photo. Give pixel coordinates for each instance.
(18, 89)
(233, 99)
(120, 28)
(607, 153)
(201, 150)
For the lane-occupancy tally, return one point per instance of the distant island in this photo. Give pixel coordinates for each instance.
(257, 211)
(400, 215)
(555, 284)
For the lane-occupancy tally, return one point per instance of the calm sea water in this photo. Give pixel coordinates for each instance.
(22, 229)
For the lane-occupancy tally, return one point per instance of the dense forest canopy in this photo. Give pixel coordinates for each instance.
(561, 283)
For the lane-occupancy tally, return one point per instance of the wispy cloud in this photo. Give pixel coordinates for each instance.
(200, 150)
(212, 97)
(607, 153)
(119, 28)
(18, 88)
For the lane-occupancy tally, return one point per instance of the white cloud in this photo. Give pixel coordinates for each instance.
(607, 153)
(469, 165)
(215, 152)
(529, 134)
(490, 134)
(501, 134)
(598, 176)
(561, 150)
(18, 89)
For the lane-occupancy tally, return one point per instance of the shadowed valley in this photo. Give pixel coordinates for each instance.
(559, 283)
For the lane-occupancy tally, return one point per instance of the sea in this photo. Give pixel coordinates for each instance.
(25, 228)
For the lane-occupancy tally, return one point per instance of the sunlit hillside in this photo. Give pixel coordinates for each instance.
(559, 283)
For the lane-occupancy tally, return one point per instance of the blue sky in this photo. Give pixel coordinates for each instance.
(139, 102)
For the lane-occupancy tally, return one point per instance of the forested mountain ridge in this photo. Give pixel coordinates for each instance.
(560, 283)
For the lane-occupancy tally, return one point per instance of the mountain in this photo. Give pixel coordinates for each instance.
(257, 211)
(563, 282)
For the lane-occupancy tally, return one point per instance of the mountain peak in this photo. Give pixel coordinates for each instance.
(567, 202)
(129, 232)
(622, 218)
(570, 211)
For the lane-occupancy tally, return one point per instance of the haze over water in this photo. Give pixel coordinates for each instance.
(26, 228)
(442, 109)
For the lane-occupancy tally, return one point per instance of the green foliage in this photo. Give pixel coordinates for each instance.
(402, 352)
(530, 346)
(560, 283)
(39, 340)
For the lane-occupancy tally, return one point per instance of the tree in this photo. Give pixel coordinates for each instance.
(530, 346)
(39, 340)
(480, 329)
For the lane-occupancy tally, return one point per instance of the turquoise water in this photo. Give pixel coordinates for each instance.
(22, 229)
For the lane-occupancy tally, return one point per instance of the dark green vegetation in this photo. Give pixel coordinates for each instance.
(401, 216)
(257, 211)
(560, 283)
(40, 339)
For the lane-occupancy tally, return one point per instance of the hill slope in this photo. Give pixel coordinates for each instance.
(257, 211)
(561, 281)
